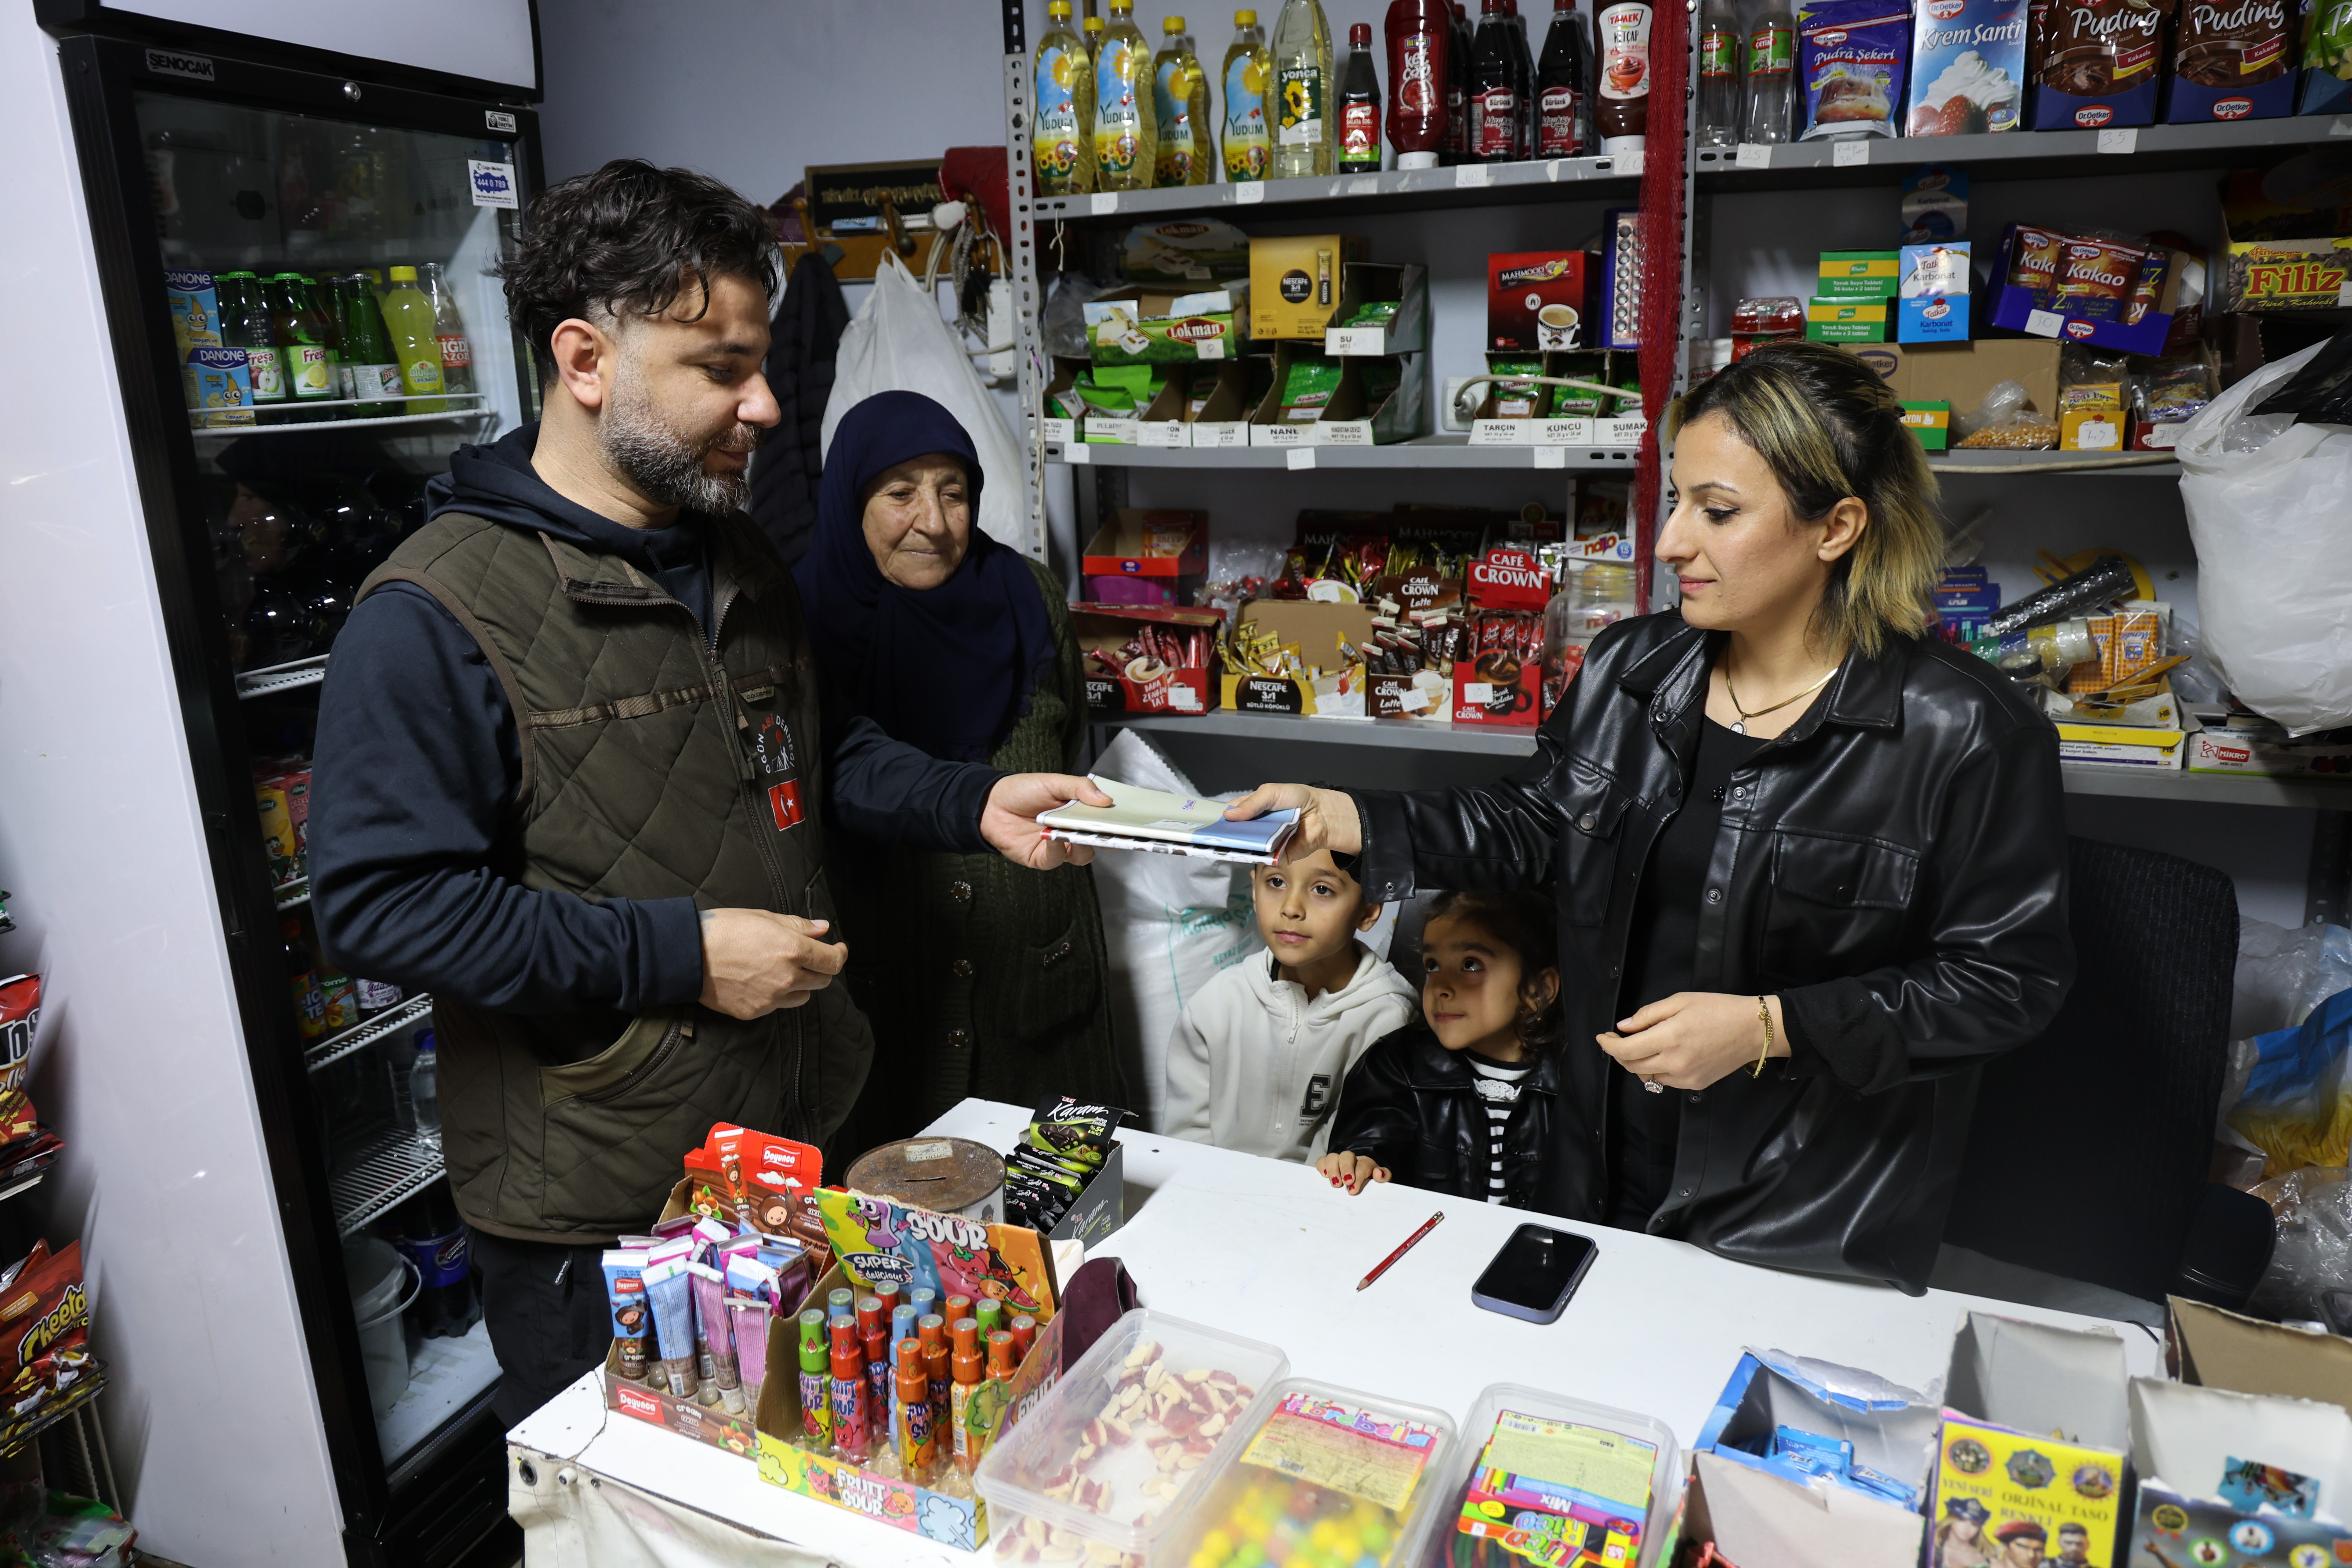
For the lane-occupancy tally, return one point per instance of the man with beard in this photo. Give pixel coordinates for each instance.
(571, 759)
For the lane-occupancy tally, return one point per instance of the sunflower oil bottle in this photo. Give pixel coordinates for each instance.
(1306, 129)
(1126, 143)
(1180, 103)
(1062, 143)
(1248, 150)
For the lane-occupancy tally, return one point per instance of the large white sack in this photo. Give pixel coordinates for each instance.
(899, 341)
(2273, 569)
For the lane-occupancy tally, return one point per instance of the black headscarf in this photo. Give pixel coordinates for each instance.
(948, 669)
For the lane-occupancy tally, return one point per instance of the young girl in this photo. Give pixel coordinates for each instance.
(1465, 1102)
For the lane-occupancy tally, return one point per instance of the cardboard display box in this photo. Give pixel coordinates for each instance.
(1157, 547)
(1221, 419)
(1053, 427)
(1160, 326)
(2035, 1431)
(2020, 310)
(1757, 1520)
(2193, 1447)
(1360, 413)
(1318, 628)
(1369, 282)
(1539, 301)
(1959, 374)
(1295, 282)
(2219, 1349)
(1893, 1431)
(2122, 746)
(2241, 743)
(1161, 689)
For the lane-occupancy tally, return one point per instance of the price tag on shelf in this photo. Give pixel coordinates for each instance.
(1249, 192)
(1629, 164)
(2340, 126)
(1551, 456)
(1077, 452)
(1845, 154)
(2123, 141)
(1754, 155)
(1551, 169)
(1105, 203)
(2344, 295)
(2044, 323)
(1368, 187)
(1210, 348)
(1301, 457)
(1469, 175)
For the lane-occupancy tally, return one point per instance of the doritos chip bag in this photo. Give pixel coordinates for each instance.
(20, 1016)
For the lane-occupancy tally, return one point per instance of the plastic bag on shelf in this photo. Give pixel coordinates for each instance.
(2002, 400)
(2274, 581)
(2284, 973)
(2294, 1107)
(900, 342)
(2313, 1254)
(2004, 422)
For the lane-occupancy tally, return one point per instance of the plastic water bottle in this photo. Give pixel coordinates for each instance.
(423, 1092)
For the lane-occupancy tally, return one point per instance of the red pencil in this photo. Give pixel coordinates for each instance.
(1410, 1243)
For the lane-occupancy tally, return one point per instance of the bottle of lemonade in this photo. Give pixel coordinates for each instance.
(450, 326)
(1248, 68)
(1063, 146)
(1305, 127)
(416, 338)
(1180, 103)
(1126, 143)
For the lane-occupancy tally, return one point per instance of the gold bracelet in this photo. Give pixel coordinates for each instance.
(1764, 1015)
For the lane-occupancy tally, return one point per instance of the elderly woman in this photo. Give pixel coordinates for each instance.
(980, 977)
(1810, 861)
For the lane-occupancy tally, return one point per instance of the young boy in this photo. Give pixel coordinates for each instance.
(1256, 1062)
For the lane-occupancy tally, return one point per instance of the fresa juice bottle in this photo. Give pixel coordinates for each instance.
(1126, 143)
(416, 338)
(1062, 143)
(1180, 103)
(1248, 150)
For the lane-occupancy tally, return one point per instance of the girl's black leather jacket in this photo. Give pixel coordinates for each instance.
(1894, 866)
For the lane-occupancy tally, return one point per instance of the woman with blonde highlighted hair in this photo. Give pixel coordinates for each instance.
(1809, 858)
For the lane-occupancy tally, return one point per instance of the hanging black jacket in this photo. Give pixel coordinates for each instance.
(1413, 1106)
(1894, 866)
(803, 342)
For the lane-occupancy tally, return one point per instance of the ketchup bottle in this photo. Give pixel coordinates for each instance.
(1421, 59)
(1621, 115)
(1359, 106)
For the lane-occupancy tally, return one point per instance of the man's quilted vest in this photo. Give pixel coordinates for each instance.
(657, 761)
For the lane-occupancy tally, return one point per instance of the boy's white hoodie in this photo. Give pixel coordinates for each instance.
(1254, 1066)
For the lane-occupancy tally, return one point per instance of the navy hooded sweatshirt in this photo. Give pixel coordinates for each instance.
(418, 759)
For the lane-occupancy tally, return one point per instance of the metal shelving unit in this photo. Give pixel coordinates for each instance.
(2013, 154)
(336, 1047)
(392, 1168)
(1441, 451)
(292, 895)
(479, 407)
(280, 677)
(1395, 190)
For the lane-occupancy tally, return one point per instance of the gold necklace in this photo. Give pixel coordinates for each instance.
(1739, 725)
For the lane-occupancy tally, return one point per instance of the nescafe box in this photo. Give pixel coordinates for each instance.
(1295, 282)
(2232, 59)
(1538, 300)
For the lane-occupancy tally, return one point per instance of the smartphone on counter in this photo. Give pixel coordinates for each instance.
(1534, 1274)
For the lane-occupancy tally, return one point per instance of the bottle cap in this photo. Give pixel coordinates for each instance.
(1421, 159)
(902, 1323)
(910, 1358)
(1094, 23)
(870, 1315)
(999, 1353)
(1173, 25)
(404, 275)
(847, 1362)
(990, 1315)
(1245, 18)
(1059, 10)
(959, 1307)
(1360, 33)
(932, 1329)
(888, 1296)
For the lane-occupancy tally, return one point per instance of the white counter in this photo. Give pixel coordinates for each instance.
(1271, 1250)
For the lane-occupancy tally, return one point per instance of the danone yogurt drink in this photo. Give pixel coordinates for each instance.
(1851, 55)
(1967, 68)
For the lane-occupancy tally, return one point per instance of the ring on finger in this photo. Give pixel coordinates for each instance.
(1652, 1086)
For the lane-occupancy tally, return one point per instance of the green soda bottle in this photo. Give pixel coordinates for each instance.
(369, 367)
(244, 324)
(304, 340)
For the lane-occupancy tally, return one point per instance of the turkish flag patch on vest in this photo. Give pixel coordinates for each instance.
(784, 800)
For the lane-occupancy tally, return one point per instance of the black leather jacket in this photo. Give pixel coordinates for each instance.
(1413, 1106)
(1894, 866)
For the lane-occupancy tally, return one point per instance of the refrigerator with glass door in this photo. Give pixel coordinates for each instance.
(296, 269)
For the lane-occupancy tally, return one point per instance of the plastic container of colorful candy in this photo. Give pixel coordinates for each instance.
(1327, 1478)
(1543, 1479)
